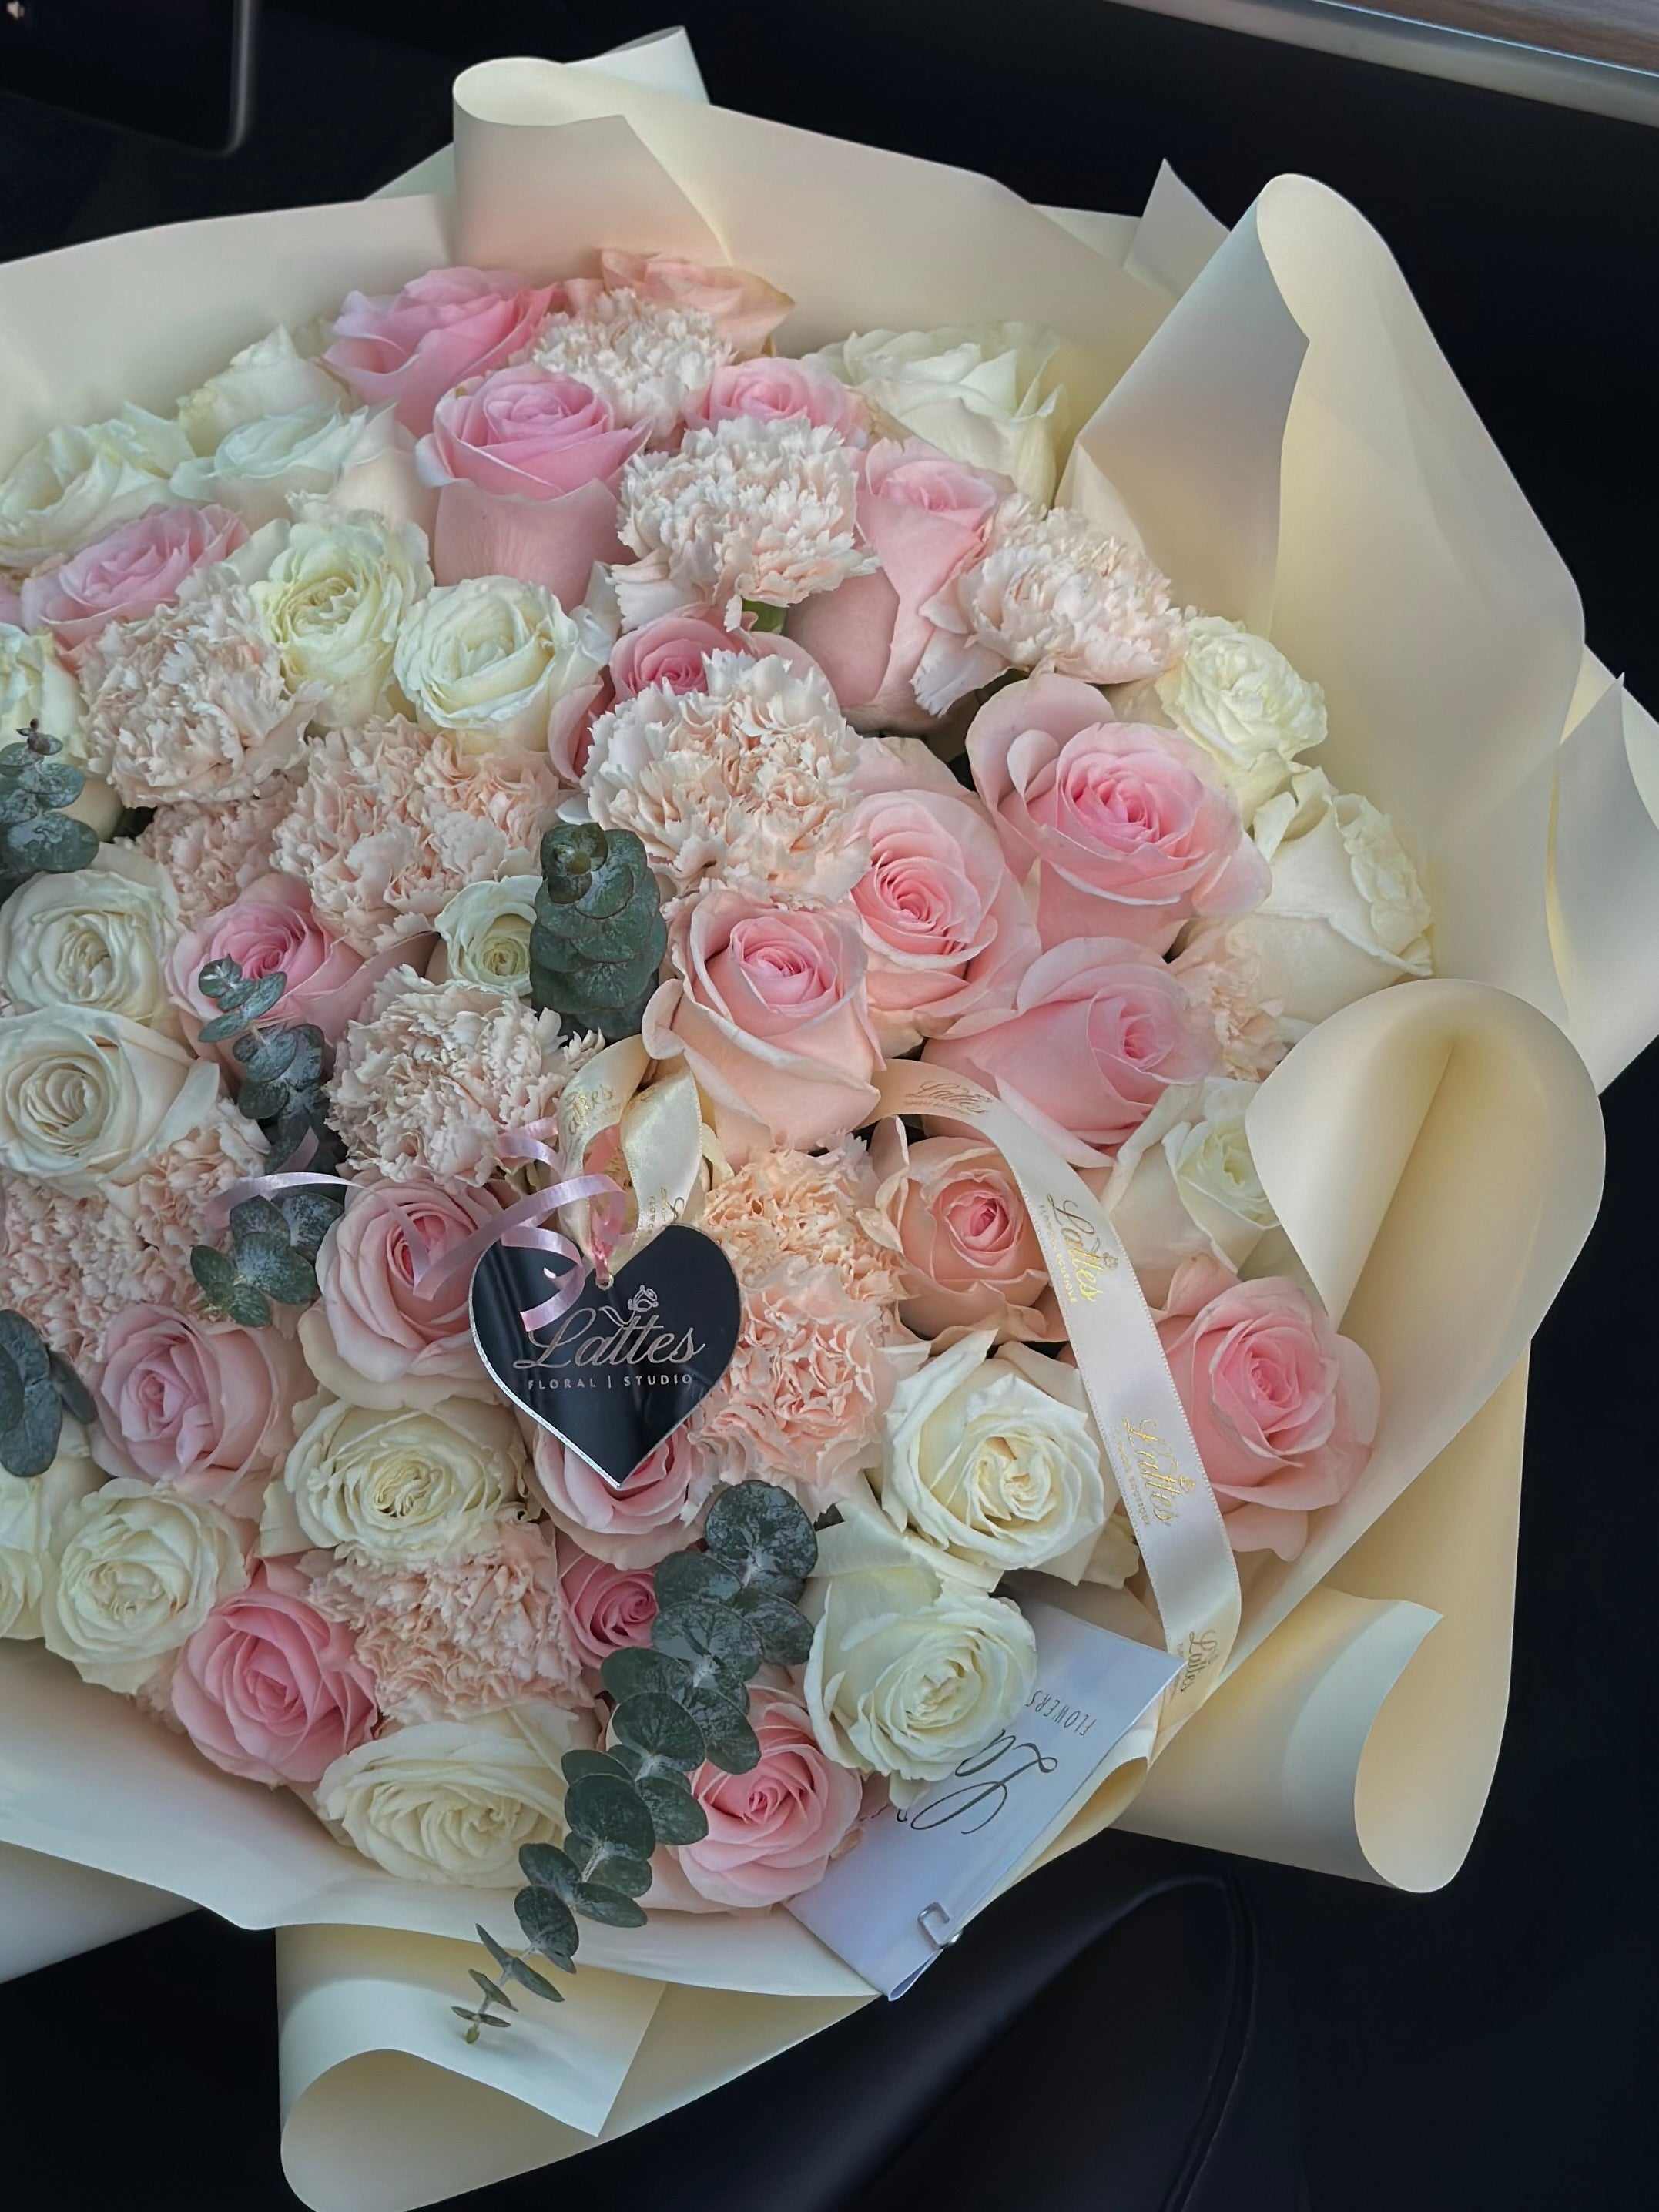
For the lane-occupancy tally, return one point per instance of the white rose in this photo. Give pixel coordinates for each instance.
(975, 392)
(270, 377)
(403, 1487)
(77, 483)
(995, 1470)
(86, 1099)
(333, 602)
(1346, 913)
(133, 1570)
(1237, 697)
(257, 467)
(29, 1511)
(485, 930)
(491, 656)
(97, 936)
(1185, 1184)
(912, 1665)
(36, 687)
(456, 1800)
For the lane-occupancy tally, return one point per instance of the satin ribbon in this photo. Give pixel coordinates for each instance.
(1137, 1407)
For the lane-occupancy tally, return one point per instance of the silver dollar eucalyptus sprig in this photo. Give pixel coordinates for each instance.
(37, 1389)
(722, 1613)
(37, 837)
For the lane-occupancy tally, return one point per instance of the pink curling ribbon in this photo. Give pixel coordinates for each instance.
(519, 1225)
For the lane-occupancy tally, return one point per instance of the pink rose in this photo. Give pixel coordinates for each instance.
(779, 391)
(605, 1606)
(266, 1688)
(655, 1514)
(768, 1007)
(271, 930)
(1132, 838)
(744, 308)
(926, 518)
(669, 650)
(1283, 1409)
(411, 346)
(11, 607)
(973, 1257)
(372, 1337)
(524, 432)
(1100, 1028)
(773, 1830)
(945, 924)
(203, 1406)
(142, 565)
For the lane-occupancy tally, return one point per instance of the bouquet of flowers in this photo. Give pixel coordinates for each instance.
(539, 762)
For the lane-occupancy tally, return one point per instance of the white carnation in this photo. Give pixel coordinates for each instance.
(648, 360)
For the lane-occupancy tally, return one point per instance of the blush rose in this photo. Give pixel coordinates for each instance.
(141, 565)
(524, 432)
(672, 650)
(605, 1608)
(1100, 1028)
(655, 1514)
(776, 390)
(768, 1006)
(971, 1254)
(1283, 1411)
(268, 1689)
(271, 930)
(1133, 836)
(409, 348)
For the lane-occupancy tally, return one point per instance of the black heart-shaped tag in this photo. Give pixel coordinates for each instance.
(619, 1370)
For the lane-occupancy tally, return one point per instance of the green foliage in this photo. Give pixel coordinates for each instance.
(597, 940)
(36, 836)
(281, 1065)
(274, 1244)
(37, 1389)
(681, 1703)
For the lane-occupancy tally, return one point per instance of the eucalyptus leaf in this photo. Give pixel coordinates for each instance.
(272, 1265)
(23, 1345)
(734, 1749)
(612, 1868)
(264, 996)
(785, 1632)
(685, 1574)
(267, 1053)
(636, 1671)
(56, 844)
(498, 1952)
(675, 1814)
(494, 1993)
(220, 981)
(575, 1764)
(609, 1906)
(11, 1392)
(222, 1027)
(608, 1811)
(257, 1217)
(248, 1307)
(549, 1925)
(763, 1536)
(258, 1101)
(73, 1394)
(309, 1215)
(53, 783)
(521, 1971)
(661, 1728)
(215, 1272)
(29, 1445)
(548, 1868)
(705, 1635)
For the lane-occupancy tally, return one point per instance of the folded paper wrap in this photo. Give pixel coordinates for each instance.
(1268, 411)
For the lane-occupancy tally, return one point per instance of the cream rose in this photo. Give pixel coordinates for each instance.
(270, 377)
(97, 937)
(912, 1665)
(29, 1511)
(132, 1572)
(456, 1800)
(982, 394)
(78, 482)
(982, 1460)
(87, 1098)
(492, 657)
(36, 687)
(485, 930)
(401, 1487)
(1184, 1183)
(1236, 695)
(1346, 913)
(257, 467)
(332, 603)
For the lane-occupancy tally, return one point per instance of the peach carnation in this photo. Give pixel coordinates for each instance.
(1221, 974)
(803, 1401)
(189, 703)
(747, 784)
(212, 854)
(390, 823)
(448, 1641)
(749, 509)
(648, 359)
(173, 1191)
(817, 1207)
(72, 1265)
(1054, 594)
(428, 1081)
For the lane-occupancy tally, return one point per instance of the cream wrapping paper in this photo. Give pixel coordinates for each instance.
(1271, 415)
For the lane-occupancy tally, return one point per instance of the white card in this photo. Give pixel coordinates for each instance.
(912, 1879)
